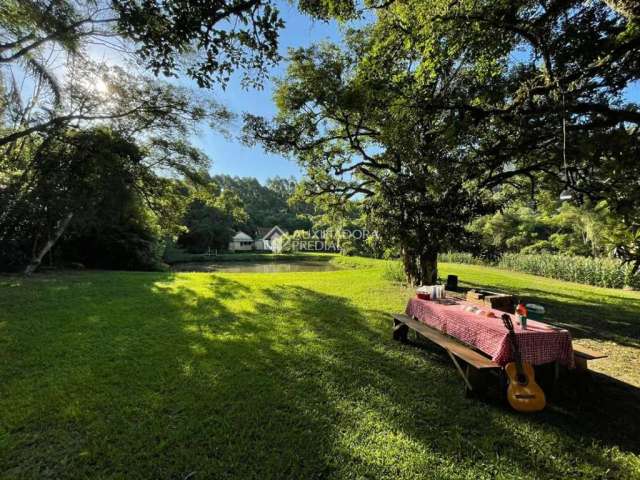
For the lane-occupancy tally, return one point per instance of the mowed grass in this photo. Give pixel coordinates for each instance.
(199, 376)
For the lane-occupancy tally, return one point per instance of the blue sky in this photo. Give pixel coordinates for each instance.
(228, 155)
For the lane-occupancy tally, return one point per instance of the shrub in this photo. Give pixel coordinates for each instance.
(393, 271)
(13, 255)
(541, 246)
(461, 257)
(116, 247)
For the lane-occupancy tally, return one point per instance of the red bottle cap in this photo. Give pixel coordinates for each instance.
(521, 309)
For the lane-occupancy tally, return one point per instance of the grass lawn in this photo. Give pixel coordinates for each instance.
(199, 376)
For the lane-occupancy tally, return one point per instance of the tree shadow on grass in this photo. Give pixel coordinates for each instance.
(426, 402)
(217, 378)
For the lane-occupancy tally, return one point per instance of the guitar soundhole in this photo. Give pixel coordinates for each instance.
(522, 379)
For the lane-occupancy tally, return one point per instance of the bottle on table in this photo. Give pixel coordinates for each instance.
(521, 312)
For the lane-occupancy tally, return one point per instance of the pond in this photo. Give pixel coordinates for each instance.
(256, 267)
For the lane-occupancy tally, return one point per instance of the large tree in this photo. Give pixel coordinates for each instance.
(440, 103)
(211, 217)
(47, 183)
(358, 133)
(550, 77)
(91, 188)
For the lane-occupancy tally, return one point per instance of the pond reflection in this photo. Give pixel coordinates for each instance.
(256, 267)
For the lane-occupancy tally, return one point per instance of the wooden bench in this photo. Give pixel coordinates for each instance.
(582, 355)
(454, 348)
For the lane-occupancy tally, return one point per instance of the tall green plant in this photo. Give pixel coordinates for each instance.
(601, 272)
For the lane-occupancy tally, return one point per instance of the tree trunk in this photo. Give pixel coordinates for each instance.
(409, 261)
(420, 269)
(429, 268)
(35, 262)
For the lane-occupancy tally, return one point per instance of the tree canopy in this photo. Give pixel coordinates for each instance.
(429, 115)
(442, 111)
(98, 189)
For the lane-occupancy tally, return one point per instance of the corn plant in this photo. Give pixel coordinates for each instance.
(598, 271)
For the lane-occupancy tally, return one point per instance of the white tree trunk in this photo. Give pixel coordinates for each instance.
(35, 262)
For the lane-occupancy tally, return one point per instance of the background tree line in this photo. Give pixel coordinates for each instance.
(93, 156)
(242, 203)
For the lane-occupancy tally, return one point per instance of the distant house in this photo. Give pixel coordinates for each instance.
(241, 242)
(269, 239)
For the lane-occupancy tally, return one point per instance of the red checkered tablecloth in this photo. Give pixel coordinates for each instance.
(539, 343)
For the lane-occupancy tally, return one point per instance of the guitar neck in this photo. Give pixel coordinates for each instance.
(515, 351)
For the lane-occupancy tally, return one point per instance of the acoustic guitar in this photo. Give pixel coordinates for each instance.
(523, 393)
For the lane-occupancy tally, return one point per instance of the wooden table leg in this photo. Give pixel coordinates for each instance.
(460, 371)
(581, 363)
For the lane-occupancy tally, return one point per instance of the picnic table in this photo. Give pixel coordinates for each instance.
(478, 345)
(540, 343)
